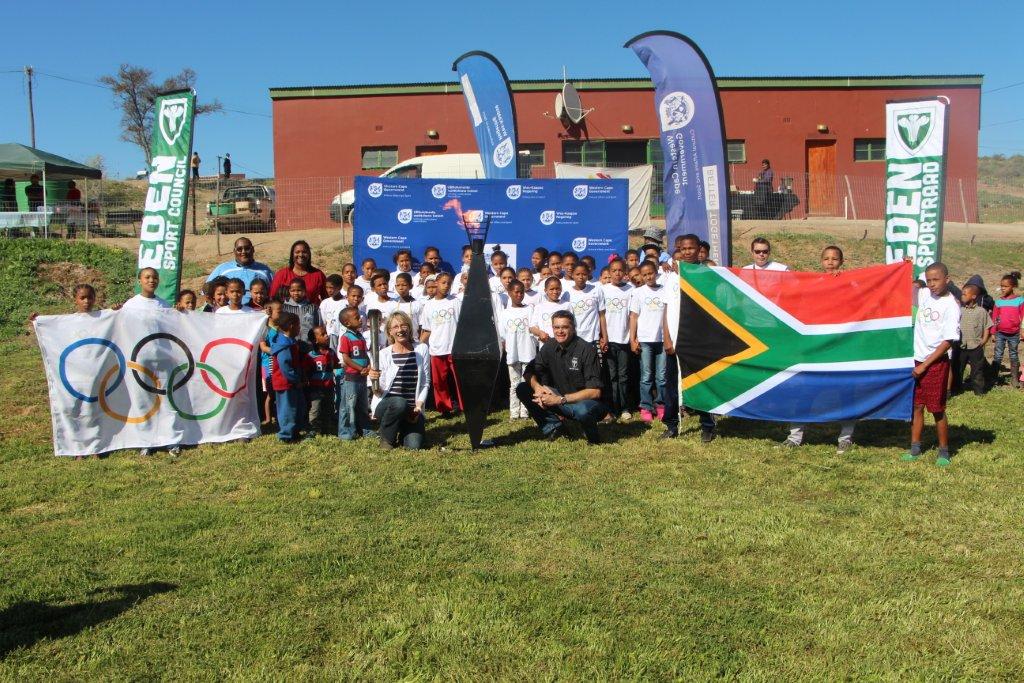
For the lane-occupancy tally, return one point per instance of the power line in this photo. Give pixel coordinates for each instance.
(1005, 87)
(265, 116)
(75, 80)
(107, 87)
(1002, 123)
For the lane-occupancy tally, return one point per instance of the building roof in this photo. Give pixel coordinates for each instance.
(724, 83)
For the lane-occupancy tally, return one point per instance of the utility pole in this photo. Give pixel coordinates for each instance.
(31, 111)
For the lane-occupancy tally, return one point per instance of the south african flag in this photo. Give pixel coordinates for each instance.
(797, 347)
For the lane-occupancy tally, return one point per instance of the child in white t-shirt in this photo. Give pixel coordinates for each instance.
(235, 293)
(146, 299)
(438, 321)
(369, 265)
(403, 264)
(647, 335)
(586, 303)
(531, 296)
(520, 346)
(554, 300)
(617, 293)
(381, 301)
(405, 302)
(936, 329)
(331, 305)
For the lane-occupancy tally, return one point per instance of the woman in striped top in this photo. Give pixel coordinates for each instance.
(404, 380)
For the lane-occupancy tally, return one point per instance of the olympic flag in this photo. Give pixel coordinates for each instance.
(147, 379)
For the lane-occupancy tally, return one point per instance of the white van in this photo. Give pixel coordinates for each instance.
(432, 166)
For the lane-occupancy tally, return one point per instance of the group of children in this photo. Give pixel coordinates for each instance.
(621, 309)
(314, 360)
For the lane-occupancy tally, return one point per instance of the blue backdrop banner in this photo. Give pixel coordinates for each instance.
(692, 139)
(586, 216)
(491, 111)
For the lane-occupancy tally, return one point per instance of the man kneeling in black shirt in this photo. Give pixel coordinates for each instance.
(564, 381)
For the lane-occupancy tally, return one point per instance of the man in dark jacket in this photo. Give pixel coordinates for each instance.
(564, 382)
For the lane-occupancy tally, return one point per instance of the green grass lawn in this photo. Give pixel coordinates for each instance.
(633, 559)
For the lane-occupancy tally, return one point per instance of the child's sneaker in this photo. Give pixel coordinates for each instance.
(626, 416)
(943, 462)
(661, 412)
(646, 415)
(843, 446)
(909, 457)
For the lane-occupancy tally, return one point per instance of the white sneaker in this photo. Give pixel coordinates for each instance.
(626, 416)
(175, 451)
(145, 452)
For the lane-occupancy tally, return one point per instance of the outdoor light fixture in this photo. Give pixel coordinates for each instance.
(822, 128)
(626, 128)
(432, 134)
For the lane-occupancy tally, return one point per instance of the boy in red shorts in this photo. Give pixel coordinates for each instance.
(936, 329)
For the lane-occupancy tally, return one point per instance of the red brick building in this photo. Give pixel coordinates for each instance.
(824, 135)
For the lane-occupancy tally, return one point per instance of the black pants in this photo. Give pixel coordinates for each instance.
(976, 382)
(618, 361)
(672, 379)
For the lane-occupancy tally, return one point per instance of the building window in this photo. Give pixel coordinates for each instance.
(869, 149)
(736, 151)
(584, 152)
(530, 154)
(430, 150)
(379, 157)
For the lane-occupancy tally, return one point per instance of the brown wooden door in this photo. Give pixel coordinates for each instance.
(821, 178)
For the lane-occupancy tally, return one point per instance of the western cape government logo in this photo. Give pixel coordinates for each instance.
(405, 216)
(914, 129)
(547, 217)
(675, 111)
(375, 189)
(579, 244)
(374, 241)
(503, 153)
(580, 191)
(172, 118)
(439, 191)
(514, 191)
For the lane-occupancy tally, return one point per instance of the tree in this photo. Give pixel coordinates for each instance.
(97, 161)
(135, 93)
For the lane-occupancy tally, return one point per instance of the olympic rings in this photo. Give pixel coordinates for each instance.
(170, 337)
(442, 314)
(136, 368)
(62, 366)
(221, 391)
(148, 380)
(204, 368)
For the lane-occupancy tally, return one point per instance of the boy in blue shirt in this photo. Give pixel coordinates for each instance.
(286, 378)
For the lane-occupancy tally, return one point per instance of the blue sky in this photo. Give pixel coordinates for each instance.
(240, 50)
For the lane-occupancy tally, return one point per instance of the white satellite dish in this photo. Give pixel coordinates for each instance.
(559, 107)
(572, 104)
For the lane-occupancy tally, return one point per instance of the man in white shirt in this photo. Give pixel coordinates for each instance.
(761, 250)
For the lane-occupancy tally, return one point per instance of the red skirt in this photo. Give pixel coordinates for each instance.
(930, 388)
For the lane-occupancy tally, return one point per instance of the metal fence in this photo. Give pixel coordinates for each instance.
(115, 208)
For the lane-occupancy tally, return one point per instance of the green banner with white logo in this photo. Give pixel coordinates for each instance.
(915, 181)
(162, 236)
